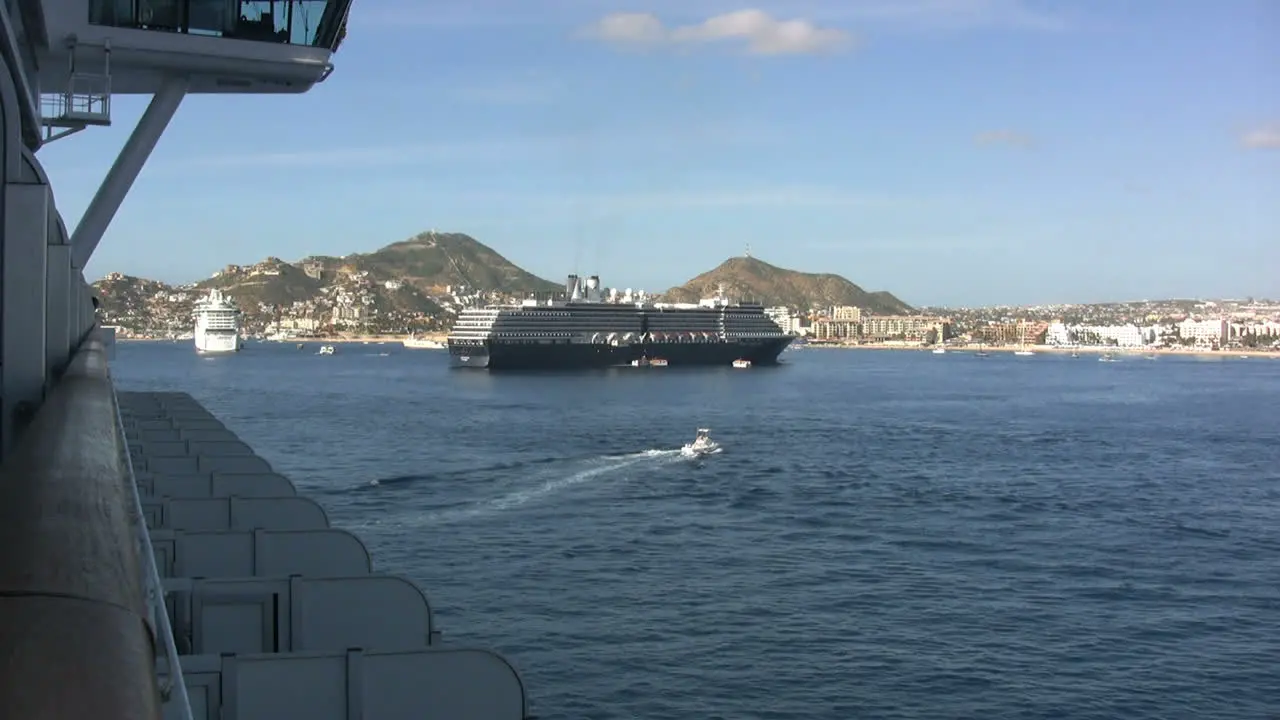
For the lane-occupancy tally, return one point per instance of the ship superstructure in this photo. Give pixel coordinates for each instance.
(217, 328)
(154, 567)
(590, 326)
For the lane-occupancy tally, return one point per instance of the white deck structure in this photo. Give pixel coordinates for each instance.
(144, 543)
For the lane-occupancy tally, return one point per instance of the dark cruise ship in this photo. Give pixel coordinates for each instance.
(589, 327)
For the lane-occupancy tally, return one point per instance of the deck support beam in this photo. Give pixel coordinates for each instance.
(22, 325)
(124, 171)
(61, 315)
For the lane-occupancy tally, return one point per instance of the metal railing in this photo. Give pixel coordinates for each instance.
(153, 587)
(73, 600)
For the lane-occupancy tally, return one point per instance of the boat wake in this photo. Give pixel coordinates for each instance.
(600, 467)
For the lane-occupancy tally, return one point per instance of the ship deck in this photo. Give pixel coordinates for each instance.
(154, 565)
(243, 601)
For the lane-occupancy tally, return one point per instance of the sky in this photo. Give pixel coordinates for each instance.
(953, 152)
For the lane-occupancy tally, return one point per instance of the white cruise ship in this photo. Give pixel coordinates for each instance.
(217, 325)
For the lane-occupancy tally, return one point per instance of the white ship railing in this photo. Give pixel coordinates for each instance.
(72, 605)
(157, 613)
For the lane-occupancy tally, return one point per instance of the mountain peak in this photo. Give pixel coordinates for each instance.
(434, 259)
(751, 278)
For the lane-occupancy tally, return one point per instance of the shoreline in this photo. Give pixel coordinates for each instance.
(966, 349)
(1053, 349)
(328, 340)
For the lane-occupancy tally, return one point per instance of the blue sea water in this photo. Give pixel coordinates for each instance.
(887, 534)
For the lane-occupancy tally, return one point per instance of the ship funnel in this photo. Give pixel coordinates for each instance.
(571, 285)
(593, 282)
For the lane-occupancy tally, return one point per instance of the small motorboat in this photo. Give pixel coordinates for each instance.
(701, 445)
(741, 364)
(325, 350)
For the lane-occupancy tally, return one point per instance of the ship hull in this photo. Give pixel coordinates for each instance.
(216, 343)
(582, 356)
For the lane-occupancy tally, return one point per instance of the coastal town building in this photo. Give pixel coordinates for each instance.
(907, 328)
(786, 318)
(1017, 332)
(1212, 332)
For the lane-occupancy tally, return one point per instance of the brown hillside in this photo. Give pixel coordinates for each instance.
(433, 260)
(748, 278)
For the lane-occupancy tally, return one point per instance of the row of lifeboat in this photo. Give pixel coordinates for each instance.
(645, 361)
(655, 337)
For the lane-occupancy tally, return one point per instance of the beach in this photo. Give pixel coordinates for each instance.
(1055, 349)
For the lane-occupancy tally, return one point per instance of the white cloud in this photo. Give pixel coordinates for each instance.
(762, 33)
(780, 196)
(1003, 137)
(602, 205)
(356, 157)
(597, 142)
(1262, 138)
(527, 92)
(948, 14)
(917, 14)
(912, 243)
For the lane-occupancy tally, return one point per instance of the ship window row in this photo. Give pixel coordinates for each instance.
(315, 23)
(579, 327)
(631, 325)
(592, 317)
(630, 317)
(684, 326)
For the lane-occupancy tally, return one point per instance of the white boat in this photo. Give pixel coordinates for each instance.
(217, 328)
(1022, 344)
(325, 350)
(702, 445)
(939, 350)
(742, 363)
(416, 343)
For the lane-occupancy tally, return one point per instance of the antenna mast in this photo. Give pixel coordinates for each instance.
(748, 249)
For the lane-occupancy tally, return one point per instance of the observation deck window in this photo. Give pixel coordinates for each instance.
(316, 23)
